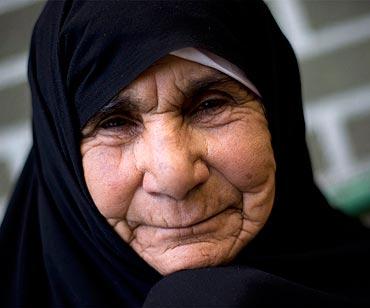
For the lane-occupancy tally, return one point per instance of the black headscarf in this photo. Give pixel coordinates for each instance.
(58, 250)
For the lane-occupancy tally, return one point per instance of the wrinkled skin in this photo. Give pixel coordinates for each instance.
(184, 172)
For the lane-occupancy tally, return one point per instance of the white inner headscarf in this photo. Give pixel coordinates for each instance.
(207, 58)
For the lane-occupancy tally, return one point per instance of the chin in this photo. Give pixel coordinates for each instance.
(192, 256)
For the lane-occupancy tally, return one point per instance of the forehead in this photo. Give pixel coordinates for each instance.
(172, 83)
(176, 77)
(172, 71)
(173, 80)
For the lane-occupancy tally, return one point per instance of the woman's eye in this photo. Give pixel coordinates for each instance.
(211, 104)
(113, 123)
(210, 107)
(119, 125)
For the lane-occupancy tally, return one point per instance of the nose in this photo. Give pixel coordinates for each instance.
(172, 162)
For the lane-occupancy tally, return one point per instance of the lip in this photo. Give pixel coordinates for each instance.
(198, 224)
(196, 231)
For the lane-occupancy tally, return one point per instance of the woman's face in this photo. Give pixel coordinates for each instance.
(181, 165)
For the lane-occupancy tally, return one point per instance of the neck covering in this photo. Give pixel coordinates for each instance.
(57, 250)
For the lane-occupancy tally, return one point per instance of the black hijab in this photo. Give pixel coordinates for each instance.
(56, 248)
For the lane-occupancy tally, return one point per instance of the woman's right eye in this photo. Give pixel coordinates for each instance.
(119, 125)
(113, 122)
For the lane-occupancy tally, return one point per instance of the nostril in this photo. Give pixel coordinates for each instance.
(171, 167)
(150, 184)
(175, 183)
(197, 187)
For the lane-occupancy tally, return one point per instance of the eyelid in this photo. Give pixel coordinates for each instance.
(207, 114)
(213, 92)
(212, 95)
(110, 117)
(107, 119)
(127, 119)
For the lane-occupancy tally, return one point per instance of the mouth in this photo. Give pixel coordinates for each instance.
(206, 230)
(200, 220)
(196, 228)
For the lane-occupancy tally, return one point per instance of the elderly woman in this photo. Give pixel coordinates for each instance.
(169, 167)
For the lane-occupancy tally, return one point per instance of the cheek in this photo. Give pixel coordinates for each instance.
(107, 171)
(244, 156)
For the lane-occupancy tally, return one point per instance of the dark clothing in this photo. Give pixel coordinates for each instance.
(56, 249)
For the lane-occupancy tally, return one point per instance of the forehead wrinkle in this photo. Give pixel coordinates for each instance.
(168, 100)
(197, 85)
(124, 101)
(194, 87)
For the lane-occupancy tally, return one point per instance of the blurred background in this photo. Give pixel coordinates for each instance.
(332, 42)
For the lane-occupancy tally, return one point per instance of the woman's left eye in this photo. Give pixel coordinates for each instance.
(211, 107)
(211, 104)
